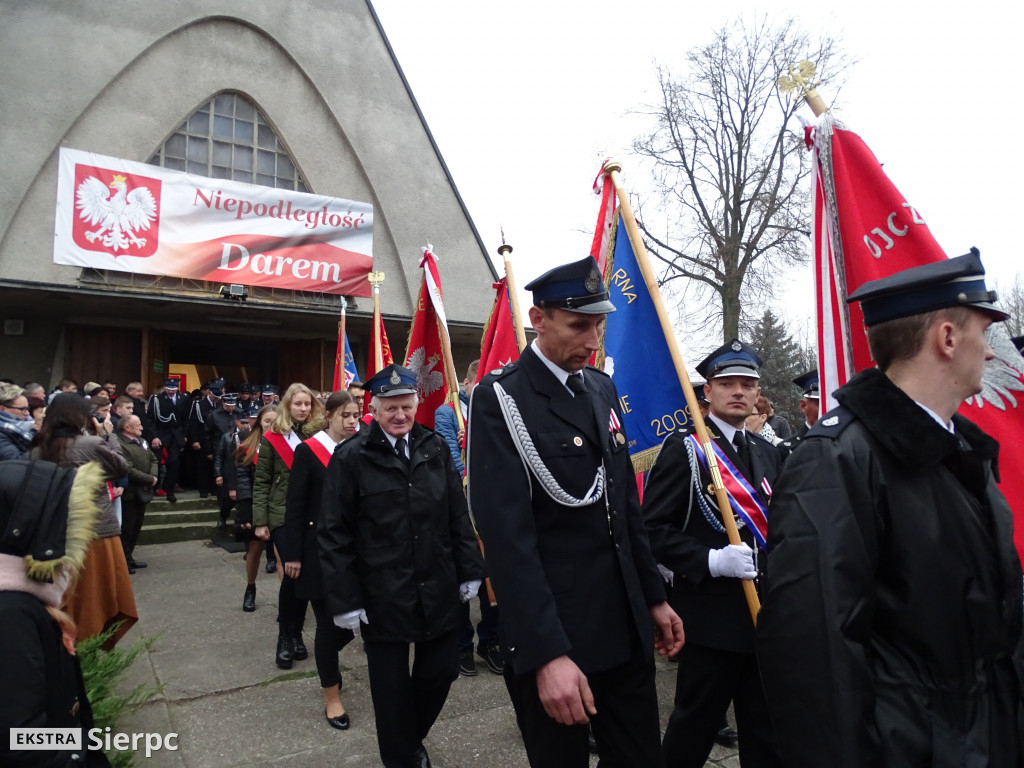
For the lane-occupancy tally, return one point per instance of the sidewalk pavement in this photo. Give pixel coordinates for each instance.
(231, 706)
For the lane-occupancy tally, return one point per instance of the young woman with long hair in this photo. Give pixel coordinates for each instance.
(301, 552)
(299, 416)
(238, 477)
(103, 595)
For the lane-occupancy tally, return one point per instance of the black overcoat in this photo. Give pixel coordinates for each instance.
(302, 519)
(569, 581)
(714, 610)
(396, 541)
(890, 632)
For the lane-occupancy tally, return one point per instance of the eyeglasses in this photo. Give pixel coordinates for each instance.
(22, 408)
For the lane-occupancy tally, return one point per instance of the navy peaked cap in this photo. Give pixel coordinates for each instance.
(733, 359)
(574, 287)
(956, 282)
(808, 382)
(392, 381)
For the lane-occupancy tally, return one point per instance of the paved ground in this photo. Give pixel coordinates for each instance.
(231, 706)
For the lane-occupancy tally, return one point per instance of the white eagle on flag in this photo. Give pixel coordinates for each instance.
(428, 381)
(119, 215)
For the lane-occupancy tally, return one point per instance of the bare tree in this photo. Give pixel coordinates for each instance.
(1011, 299)
(730, 167)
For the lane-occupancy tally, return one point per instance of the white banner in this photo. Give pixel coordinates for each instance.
(134, 217)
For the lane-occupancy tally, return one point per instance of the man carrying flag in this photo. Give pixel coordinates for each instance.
(718, 664)
(891, 629)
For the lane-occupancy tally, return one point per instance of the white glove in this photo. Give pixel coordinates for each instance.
(666, 574)
(351, 620)
(735, 561)
(468, 590)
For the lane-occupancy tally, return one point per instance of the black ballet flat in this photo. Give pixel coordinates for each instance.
(341, 722)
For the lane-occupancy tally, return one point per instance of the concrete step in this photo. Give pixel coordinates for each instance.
(190, 519)
(172, 515)
(185, 501)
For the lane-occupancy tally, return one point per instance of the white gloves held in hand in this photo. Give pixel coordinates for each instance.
(351, 620)
(468, 590)
(735, 561)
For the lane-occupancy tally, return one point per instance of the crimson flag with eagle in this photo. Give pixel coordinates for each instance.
(864, 229)
(425, 352)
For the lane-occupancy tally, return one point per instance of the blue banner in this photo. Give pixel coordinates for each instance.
(351, 374)
(637, 356)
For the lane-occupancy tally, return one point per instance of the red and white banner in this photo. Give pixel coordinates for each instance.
(133, 217)
(866, 230)
(425, 352)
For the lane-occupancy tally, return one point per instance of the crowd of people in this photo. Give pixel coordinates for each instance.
(873, 536)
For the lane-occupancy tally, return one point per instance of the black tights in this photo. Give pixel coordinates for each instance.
(329, 641)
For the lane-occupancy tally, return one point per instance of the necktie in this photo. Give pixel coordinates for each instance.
(739, 442)
(400, 449)
(576, 384)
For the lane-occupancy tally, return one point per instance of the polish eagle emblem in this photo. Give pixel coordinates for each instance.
(1002, 376)
(427, 381)
(121, 215)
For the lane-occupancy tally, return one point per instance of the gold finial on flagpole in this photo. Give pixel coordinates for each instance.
(375, 278)
(800, 78)
(513, 293)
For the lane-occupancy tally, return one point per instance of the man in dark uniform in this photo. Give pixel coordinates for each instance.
(398, 553)
(718, 663)
(220, 422)
(168, 413)
(891, 630)
(269, 395)
(809, 407)
(199, 437)
(554, 496)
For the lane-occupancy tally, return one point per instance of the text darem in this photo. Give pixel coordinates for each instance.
(272, 264)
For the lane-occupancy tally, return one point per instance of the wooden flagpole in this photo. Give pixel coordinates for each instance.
(612, 168)
(376, 278)
(513, 295)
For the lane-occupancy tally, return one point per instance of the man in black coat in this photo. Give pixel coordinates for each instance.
(553, 493)
(168, 413)
(891, 630)
(688, 537)
(199, 438)
(398, 553)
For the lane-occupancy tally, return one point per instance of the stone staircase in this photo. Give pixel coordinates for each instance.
(190, 519)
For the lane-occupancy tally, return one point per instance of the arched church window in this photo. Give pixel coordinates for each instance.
(229, 138)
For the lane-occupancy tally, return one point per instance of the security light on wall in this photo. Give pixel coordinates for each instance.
(234, 292)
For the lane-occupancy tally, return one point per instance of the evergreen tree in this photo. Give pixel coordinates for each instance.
(784, 360)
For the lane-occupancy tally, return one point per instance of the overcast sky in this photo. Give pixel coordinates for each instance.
(526, 99)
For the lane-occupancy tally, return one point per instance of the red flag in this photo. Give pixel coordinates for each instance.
(425, 353)
(378, 340)
(605, 219)
(866, 230)
(498, 346)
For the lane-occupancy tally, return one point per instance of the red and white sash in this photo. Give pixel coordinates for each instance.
(742, 496)
(322, 446)
(285, 445)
